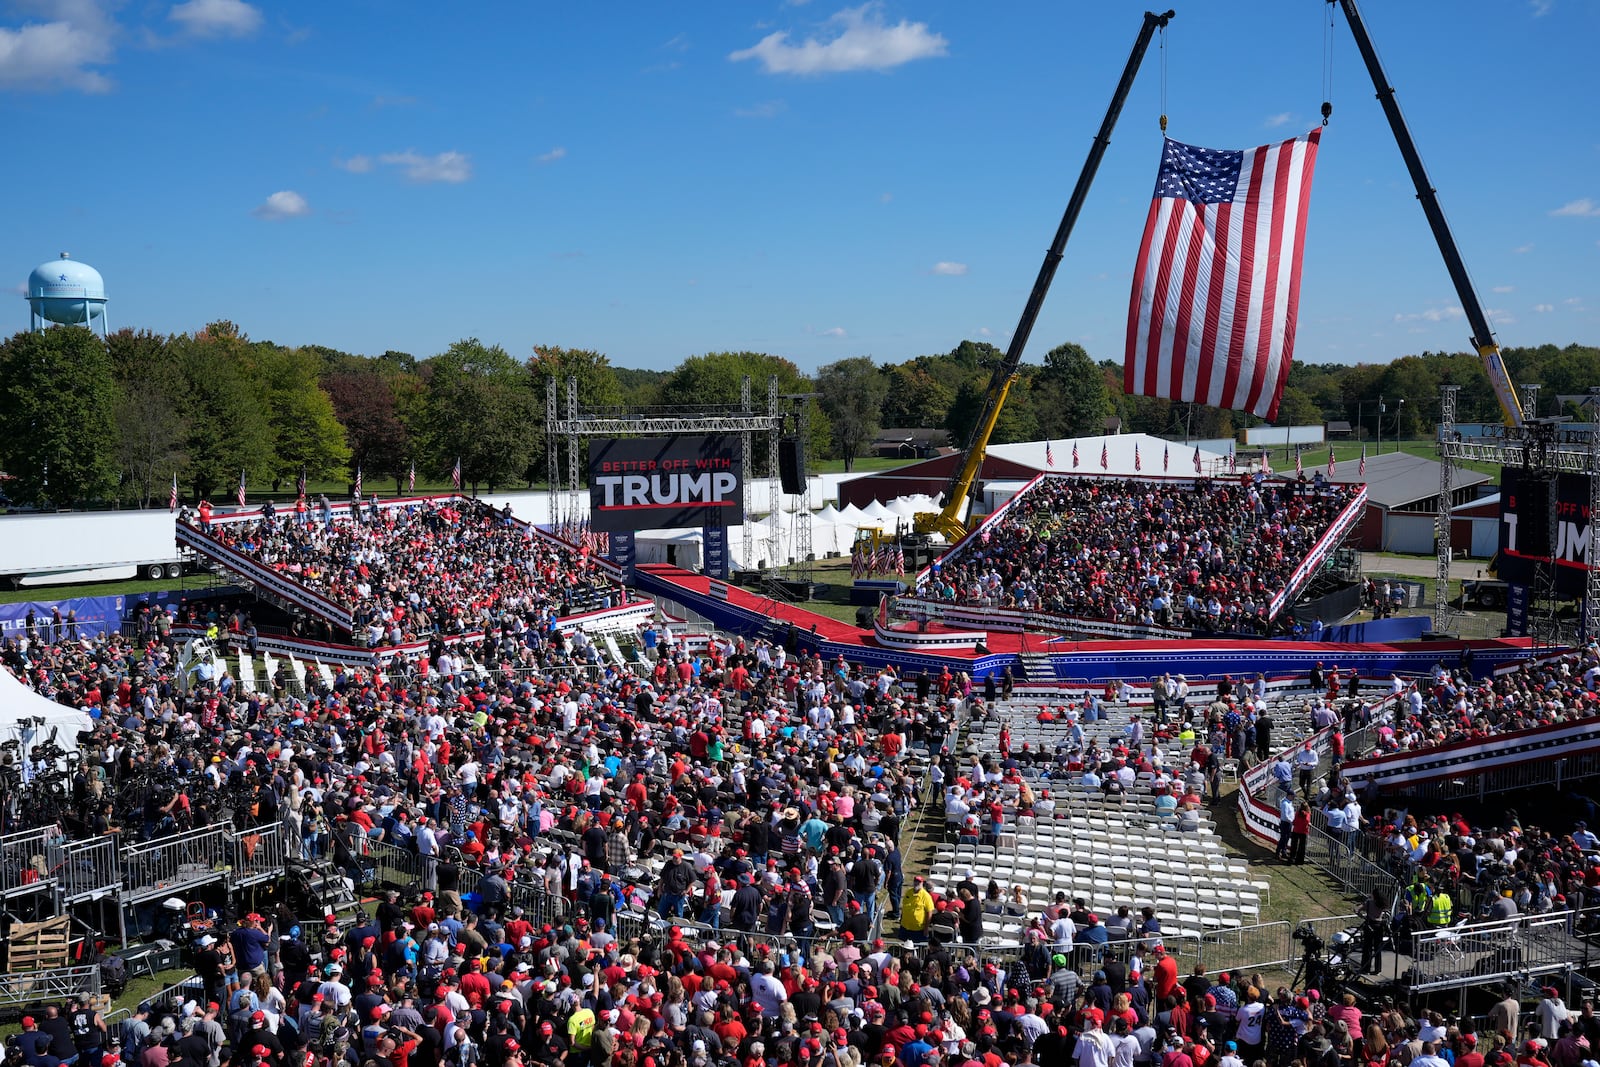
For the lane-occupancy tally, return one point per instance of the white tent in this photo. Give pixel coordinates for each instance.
(829, 514)
(875, 512)
(852, 515)
(27, 717)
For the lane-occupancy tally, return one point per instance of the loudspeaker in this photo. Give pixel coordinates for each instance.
(1533, 518)
(791, 465)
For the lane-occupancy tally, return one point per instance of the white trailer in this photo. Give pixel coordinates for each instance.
(90, 546)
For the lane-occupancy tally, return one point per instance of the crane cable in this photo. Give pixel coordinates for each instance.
(1161, 46)
(1327, 63)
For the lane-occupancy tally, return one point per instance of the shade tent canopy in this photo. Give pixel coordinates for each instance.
(21, 712)
(1121, 451)
(827, 514)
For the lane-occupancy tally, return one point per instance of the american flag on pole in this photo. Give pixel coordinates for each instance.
(1361, 471)
(1138, 464)
(411, 482)
(300, 482)
(1166, 456)
(1216, 288)
(241, 487)
(899, 561)
(1074, 455)
(1330, 461)
(1197, 459)
(1299, 468)
(358, 481)
(455, 475)
(1233, 461)
(1103, 457)
(1049, 455)
(1266, 462)
(172, 498)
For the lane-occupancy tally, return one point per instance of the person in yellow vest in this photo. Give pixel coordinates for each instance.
(916, 908)
(1440, 909)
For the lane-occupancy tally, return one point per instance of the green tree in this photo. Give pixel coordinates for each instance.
(918, 395)
(852, 391)
(1017, 421)
(1410, 379)
(57, 416)
(306, 432)
(228, 427)
(1069, 394)
(714, 379)
(598, 386)
(151, 415)
(478, 409)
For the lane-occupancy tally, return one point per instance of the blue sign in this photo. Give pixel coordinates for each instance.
(1516, 611)
(714, 542)
(622, 554)
(85, 616)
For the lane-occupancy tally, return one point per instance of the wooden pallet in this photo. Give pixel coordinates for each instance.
(39, 946)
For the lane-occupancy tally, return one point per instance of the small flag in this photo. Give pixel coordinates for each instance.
(300, 482)
(899, 561)
(1233, 461)
(1266, 462)
(1362, 470)
(172, 498)
(1299, 468)
(241, 487)
(411, 483)
(1104, 459)
(358, 481)
(1197, 459)
(1074, 455)
(855, 560)
(1330, 461)
(1049, 455)
(1166, 456)
(455, 475)
(1137, 465)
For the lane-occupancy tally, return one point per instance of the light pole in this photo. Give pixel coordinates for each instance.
(1400, 409)
(1382, 407)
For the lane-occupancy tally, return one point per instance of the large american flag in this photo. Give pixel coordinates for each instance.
(1217, 285)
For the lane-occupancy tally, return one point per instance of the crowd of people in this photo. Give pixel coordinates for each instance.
(409, 571)
(1210, 557)
(751, 794)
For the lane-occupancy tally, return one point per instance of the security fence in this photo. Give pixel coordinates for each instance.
(20, 989)
(85, 869)
(169, 865)
(1520, 948)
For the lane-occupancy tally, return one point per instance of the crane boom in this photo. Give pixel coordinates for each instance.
(949, 521)
(1483, 341)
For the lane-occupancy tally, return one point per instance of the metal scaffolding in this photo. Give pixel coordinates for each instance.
(1545, 448)
(571, 432)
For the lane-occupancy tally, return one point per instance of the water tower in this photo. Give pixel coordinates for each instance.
(68, 292)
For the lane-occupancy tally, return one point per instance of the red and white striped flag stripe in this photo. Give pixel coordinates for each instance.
(1216, 288)
(172, 499)
(240, 494)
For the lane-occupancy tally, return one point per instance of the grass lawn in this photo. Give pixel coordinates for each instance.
(132, 588)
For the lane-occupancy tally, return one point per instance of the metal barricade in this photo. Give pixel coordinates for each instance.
(171, 864)
(86, 869)
(57, 985)
(258, 855)
(1484, 952)
(1340, 858)
(17, 853)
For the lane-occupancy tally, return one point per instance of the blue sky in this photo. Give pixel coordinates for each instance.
(808, 179)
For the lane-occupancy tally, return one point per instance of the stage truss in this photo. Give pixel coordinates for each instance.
(1545, 447)
(566, 437)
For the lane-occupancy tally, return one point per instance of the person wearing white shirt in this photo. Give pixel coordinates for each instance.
(1094, 1048)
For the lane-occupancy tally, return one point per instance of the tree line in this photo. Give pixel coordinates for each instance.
(86, 421)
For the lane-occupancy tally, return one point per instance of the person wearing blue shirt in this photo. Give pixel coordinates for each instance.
(250, 945)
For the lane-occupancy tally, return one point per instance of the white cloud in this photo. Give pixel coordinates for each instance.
(1500, 316)
(1443, 314)
(553, 155)
(884, 198)
(949, 269)
(677, 43)
(453, 167)
(355, 164)
(767, 109)
(837, 331)
(1523, 250)
(856, 38)
(217, 18)
(1505, 288)
(1282, 118)
(1541, 8)
(1584, 208)
(984, 331)
(58, 54)
(1544, 308)
(286, 204)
